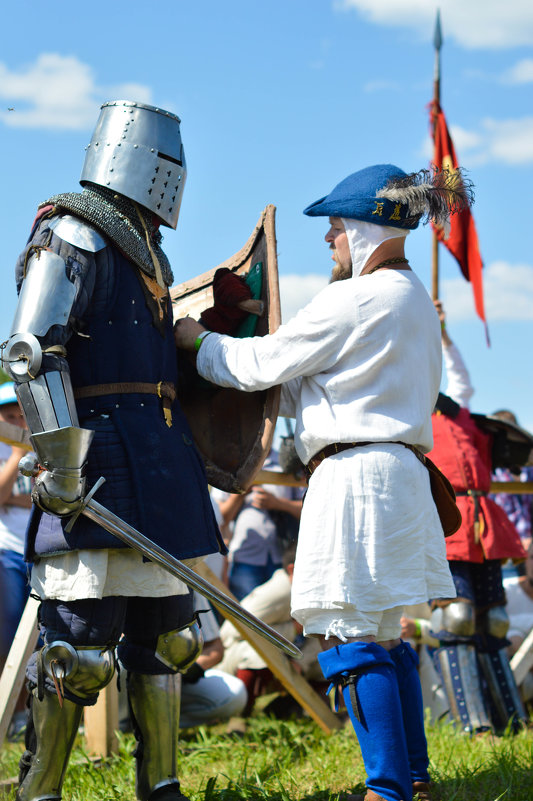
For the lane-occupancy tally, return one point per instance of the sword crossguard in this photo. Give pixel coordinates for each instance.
(83, 504)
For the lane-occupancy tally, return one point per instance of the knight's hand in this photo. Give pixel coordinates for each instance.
(62, 452)
(59, 491)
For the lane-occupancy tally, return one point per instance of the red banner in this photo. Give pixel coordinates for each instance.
(461, 237)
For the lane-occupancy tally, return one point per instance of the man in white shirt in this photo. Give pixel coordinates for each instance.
(360, 371)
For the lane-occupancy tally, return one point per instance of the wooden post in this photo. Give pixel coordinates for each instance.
(278, 663)
(522, 661)
(12, 678)
(101, 722)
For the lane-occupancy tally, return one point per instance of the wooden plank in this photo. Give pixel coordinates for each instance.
(507, 487)
(513, 487)
(101, 723)
(15, 435)
(12, 678)
(522, 660)
(278, 663)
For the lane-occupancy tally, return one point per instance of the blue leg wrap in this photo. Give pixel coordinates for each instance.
(406, 662)
(367, 675)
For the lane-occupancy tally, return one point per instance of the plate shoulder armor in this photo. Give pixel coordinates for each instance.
(77, 233)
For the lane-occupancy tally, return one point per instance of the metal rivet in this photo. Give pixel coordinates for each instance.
(110, 322)
(135, 322)
(92, 411)
(135, 147)
(116, 406)
(111, 169)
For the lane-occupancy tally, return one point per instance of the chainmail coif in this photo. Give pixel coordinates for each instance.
(116, 216)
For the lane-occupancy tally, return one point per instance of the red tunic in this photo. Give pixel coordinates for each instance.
(463, 452)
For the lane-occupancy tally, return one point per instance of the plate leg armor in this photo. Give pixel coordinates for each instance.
(49, 740)
(503, 696)
(155, 710)
(460, 673)
(53, 727)
(502, 689)
(370, 689)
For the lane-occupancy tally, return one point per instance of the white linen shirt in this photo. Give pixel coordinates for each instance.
(360, 363)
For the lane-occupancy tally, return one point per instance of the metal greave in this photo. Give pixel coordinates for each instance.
(55, 731)
(502, 687)
(155, 708)
(460, 673)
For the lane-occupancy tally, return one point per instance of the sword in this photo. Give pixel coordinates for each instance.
(128, 534)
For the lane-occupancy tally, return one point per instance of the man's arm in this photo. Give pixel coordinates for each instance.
(459, 386)
(8, 476)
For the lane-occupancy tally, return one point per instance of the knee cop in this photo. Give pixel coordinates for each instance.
(179, 648)
(495, 622)
(79, 672)
(455, 621)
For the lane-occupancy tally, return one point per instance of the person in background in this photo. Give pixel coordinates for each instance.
(519, 592)
(270, 602)
(15, 503)
(471, 628)
(518, 508)
(209, 694)
(254, 548)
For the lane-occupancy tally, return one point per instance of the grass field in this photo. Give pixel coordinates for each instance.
(291, 760)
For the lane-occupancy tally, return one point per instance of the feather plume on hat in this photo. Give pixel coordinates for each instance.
(433, 194)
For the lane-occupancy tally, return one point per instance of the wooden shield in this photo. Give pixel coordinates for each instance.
(234, 430)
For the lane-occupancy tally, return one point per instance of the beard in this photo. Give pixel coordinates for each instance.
(339, 272)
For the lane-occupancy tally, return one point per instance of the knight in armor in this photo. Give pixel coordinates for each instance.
(472, 657)
(93, 356)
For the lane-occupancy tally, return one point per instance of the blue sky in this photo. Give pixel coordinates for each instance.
(279, 101)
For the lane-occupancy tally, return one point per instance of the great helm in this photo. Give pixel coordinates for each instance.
(136, 150)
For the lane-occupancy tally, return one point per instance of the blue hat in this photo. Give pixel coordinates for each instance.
(7, 393)
(358, 198)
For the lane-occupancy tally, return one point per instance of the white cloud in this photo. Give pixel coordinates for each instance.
(522, 72)
(297, 290)
(58, 92)
(508, 291)
(474, 24)
(498, 141)
(510, 141)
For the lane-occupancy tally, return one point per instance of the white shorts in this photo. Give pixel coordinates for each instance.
(351, 622)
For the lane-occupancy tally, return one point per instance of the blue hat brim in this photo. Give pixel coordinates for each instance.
(355, 198)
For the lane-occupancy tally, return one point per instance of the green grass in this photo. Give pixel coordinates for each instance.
(292, 760)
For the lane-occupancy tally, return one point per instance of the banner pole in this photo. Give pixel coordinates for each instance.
(437, 41)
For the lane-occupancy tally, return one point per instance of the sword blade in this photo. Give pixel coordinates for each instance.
(129, 535)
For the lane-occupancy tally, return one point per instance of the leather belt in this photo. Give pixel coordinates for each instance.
(164, 390)
(337, 447)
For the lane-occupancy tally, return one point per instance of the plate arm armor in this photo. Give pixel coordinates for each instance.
(34, 357)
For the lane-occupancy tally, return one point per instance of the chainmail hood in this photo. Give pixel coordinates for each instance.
(117, 218)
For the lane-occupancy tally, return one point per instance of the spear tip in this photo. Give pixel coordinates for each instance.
(437, 38)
